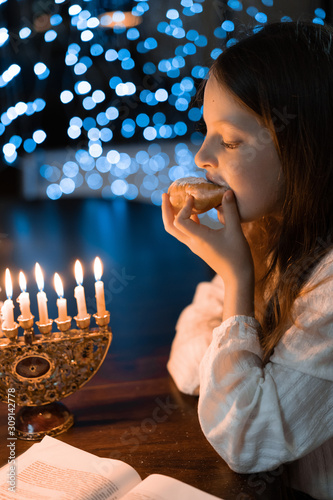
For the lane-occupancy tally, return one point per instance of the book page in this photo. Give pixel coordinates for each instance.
(159, 487)
(53, 470)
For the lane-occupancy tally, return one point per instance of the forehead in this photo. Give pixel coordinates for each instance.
(221, 106)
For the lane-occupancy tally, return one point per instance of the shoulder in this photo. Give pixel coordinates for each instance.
(323, 269)
(317, 292)
(307, 344)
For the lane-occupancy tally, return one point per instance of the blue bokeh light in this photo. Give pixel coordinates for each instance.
(70, 169)
(120, 84)
(39, 136)
(82, 87)
(4, 36)
(261, 17)
(55, 20)
(88, 103)
(320, 13)
(268, 3)
(73, 10)
(112, 113)
(24, 33)
(53, 191)
(50, 35)
(29, 145)
(66, 96)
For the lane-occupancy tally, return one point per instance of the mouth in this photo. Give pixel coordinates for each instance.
(217, 182)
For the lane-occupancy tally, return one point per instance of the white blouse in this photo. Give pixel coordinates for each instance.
(259, 417)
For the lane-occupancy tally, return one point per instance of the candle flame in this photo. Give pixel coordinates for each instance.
(9, 285)
(39, 277)
(78, 272)
(58, 285)
(22, 282)
(98, 269)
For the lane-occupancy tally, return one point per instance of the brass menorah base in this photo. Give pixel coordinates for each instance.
(39, 370)
(33, 422)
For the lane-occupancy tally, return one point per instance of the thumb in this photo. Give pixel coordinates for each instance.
(230, 210)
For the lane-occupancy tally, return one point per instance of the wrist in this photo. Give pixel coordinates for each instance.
(239, 298)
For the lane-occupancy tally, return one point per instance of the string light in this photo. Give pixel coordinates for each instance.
(156, 108)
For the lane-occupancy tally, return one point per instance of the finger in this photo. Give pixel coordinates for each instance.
(168, 217)
(230, 211)
(186, 211)
(167, 210)
(186, 225)
(220, 215)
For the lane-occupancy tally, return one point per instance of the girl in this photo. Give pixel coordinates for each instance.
(256, 344)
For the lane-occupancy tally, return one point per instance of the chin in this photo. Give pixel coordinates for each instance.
(247, 215)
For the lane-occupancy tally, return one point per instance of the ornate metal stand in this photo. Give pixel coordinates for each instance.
(44, 368)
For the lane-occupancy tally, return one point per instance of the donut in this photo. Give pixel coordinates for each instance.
(206, 194)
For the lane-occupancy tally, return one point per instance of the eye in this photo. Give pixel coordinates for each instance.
(230, 145)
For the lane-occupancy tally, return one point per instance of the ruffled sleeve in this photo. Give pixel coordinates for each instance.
(194, 334)
(258, 417)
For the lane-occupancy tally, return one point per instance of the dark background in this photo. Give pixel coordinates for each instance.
(54, 118)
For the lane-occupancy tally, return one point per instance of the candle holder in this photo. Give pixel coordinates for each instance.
(83, 323)
(11, 333)
(41, 369)
(45, 328)
(28, 326)
(64, 325)
(102, 321)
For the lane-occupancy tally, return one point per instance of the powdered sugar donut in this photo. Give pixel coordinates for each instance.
(206, 194)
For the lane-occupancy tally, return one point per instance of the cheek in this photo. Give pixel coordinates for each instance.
(257, 182)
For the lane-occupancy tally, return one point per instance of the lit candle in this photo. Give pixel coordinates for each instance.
(1, 304)
(99, 287)
(61, 301)
(7, 310)
(23, 298)
(79, 292)
(41, 296)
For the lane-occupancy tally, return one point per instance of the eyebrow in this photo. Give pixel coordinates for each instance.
(232, 124)
(246, 128)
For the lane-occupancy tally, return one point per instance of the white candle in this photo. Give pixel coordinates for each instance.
(7, 310)
(1, 304)
(61, 301)
(99, 287)
(79, 292)
(23, 299)
(41, 296)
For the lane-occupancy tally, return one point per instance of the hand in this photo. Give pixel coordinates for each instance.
(225, 250)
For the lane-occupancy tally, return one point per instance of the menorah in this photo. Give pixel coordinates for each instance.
(43, 368)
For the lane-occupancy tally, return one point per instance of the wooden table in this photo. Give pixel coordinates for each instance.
(131, 409)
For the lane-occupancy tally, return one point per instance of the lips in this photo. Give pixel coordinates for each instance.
(216, 181)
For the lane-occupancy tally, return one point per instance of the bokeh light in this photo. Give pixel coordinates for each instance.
(115, 90)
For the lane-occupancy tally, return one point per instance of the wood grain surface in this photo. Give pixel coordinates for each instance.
(131, 409)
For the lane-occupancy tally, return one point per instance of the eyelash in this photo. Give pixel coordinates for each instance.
(201, 127)
(230, 145)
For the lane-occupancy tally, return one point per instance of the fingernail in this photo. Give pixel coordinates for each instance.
(228, 195)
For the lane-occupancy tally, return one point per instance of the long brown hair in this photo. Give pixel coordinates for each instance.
(284, 73)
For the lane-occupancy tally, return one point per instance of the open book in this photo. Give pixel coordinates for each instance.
(53, 470)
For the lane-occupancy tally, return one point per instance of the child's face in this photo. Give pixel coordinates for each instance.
(239, 151)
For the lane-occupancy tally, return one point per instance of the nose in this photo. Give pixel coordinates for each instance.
(205, 157)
